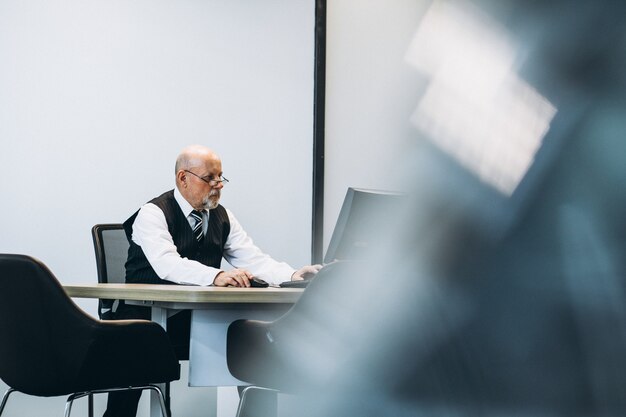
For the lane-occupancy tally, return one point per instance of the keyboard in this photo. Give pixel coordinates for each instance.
(295, 284)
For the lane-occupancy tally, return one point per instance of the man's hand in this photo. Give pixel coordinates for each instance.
(306, 272)
(233, 278)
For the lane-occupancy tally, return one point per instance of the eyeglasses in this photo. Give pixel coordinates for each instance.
(211, 181)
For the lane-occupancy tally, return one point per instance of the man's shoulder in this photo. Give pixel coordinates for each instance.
(167, 203)
(166, 196)
(157, 206)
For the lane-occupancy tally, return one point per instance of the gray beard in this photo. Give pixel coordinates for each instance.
(209, 203)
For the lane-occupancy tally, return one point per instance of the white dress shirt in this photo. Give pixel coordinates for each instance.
(151, 233)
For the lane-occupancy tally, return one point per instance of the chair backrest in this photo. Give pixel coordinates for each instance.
(111, 247)
(37, 319)
(292, 365)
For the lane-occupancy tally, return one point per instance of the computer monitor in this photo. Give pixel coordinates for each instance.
(365, 218)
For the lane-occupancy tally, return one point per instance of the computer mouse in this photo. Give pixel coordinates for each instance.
(258, 283)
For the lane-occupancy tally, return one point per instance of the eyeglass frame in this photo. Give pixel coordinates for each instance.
(211, 182)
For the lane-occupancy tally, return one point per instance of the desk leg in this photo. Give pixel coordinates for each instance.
(207, 362)
(159, 315)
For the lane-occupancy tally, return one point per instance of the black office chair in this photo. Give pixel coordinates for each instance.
(256, 352)
(111, 247)
(50, 347)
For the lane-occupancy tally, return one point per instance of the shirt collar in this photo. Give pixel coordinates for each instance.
(184, 204)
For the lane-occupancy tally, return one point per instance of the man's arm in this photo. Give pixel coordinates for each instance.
(151, 233)
(306, 272)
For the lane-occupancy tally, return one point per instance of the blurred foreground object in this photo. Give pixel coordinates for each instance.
(501, 291)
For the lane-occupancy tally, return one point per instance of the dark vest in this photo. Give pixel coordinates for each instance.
(139, 270)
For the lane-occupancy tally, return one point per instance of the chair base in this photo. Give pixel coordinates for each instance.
(77, 395)
(270, 410)
(5, 397)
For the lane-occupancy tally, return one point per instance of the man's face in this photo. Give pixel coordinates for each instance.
(203, 185)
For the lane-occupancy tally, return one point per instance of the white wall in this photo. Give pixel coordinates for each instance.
(371, 93)
(98, 96)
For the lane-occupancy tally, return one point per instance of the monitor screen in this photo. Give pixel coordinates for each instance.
(365, 218)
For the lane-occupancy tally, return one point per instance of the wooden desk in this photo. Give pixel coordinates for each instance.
(187, 295)
(213, 309)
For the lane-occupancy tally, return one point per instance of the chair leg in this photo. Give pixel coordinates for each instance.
(168, 404)
(268, 410)
(5, 397)
(242, 401)
(75, 396)
(90, 405)
(164, 410)
(68, 405)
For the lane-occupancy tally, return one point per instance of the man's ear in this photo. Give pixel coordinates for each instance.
(181, 176)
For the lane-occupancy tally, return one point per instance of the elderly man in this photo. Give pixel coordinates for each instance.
(181, 237)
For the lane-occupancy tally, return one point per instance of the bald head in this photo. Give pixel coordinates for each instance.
(195, 167)
(194, 156)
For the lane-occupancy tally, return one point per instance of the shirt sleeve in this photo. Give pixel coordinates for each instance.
(151, 233)
(241, 252)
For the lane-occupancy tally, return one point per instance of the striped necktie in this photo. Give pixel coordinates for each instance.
(197, 228)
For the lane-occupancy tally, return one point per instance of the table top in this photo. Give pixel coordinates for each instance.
(184, 293)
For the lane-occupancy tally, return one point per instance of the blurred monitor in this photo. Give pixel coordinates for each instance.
(364, 221)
